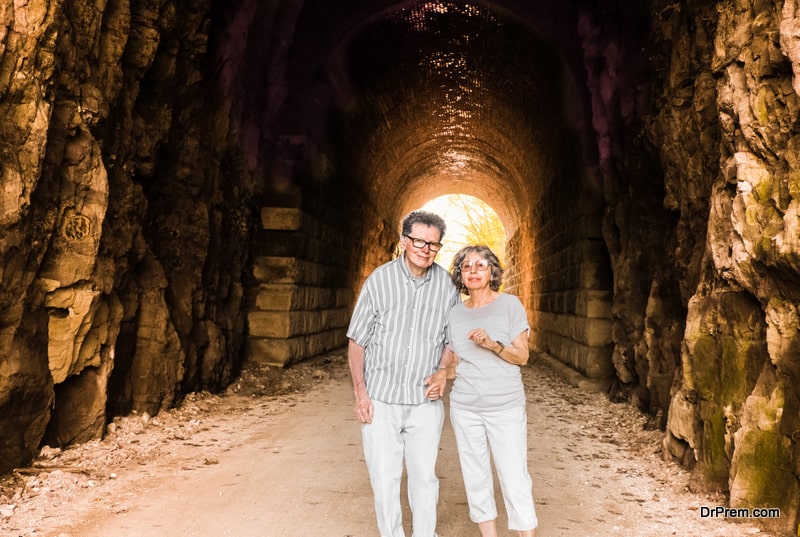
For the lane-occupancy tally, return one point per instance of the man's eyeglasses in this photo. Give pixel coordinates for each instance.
(419, 243)
(481, 265)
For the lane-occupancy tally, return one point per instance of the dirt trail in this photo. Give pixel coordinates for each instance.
(250, 464)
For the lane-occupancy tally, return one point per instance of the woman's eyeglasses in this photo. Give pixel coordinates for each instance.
(480, 265)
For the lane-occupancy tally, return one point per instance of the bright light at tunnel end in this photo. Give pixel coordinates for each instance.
(469, 220)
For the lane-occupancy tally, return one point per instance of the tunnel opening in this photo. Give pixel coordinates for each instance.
(469, 221)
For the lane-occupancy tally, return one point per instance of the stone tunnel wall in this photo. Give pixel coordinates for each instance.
(301, 306)
(308, 266)
(572, 289)
(559, 267)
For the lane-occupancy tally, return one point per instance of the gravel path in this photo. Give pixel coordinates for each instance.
(279, 455)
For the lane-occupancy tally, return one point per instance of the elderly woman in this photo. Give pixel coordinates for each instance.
(489, 334)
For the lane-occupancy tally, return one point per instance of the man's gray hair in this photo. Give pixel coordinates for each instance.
(423, 217)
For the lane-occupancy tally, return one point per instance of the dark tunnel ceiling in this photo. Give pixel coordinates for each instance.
(441, 97)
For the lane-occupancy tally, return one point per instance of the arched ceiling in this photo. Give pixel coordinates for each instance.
(434, 98)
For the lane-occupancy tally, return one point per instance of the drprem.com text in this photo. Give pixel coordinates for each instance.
(742, 512)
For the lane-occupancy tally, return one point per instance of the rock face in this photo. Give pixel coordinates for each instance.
(122, 239)
(187, 185)
(721, 290)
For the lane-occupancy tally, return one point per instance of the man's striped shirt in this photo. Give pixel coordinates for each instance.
(401, 323)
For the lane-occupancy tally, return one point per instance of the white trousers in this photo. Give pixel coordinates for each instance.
(505, 433)
(398, 434)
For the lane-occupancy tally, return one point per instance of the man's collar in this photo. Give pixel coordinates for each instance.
(409, 275)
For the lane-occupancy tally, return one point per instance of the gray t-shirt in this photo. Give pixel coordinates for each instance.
(483, 379)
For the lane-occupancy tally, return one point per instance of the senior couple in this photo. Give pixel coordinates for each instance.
(408, 326)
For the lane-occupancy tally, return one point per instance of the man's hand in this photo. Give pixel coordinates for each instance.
(363, 409)
(436, 384)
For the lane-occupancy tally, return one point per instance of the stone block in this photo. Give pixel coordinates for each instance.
(281, 218)
(345, 298)
(285, 297)
(276, 269)
(594, 303)
(591, 332)
(268, 324)
(281, 352)
(596, 332)
(294, 323)
(280, 297)
(560, 302)
(337, 318)
(594, 362)
(272, 269)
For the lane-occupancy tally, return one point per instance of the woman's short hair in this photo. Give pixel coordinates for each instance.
(486, 253)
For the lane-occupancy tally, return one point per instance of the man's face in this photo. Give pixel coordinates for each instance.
(421, 258)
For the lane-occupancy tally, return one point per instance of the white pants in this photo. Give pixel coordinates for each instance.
(399, 433)
(505, 433)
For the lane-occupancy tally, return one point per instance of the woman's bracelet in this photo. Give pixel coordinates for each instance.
(501, 348)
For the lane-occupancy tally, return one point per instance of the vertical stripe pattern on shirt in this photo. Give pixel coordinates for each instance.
(401, 323)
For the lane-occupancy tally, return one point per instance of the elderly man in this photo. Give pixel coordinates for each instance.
(397, 341)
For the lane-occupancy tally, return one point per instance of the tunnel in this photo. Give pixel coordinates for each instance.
(419, 101)
(192, 186)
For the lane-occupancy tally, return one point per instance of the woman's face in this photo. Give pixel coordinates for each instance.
(476, 272)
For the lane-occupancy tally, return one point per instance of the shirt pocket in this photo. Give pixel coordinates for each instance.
(431, 321)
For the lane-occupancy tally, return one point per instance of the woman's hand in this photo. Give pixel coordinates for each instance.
(482, 339)
(517, 353)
